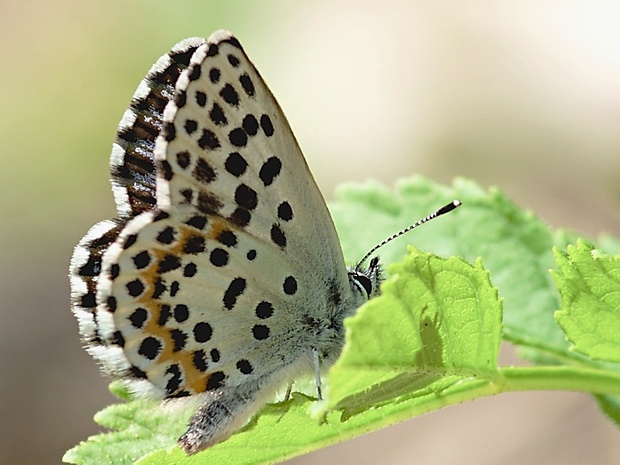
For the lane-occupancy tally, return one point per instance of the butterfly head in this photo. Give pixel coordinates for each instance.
(367, 280)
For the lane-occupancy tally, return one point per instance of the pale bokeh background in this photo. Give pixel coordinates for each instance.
(522, 95)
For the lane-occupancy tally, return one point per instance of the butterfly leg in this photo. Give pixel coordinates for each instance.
(222, 414)
(287, 395)
(317, 372)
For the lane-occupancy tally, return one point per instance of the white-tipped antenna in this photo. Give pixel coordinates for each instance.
(445, 209)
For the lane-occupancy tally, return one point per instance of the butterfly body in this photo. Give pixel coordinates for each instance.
(222, 277)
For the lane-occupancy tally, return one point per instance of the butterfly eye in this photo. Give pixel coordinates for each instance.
(364, 282)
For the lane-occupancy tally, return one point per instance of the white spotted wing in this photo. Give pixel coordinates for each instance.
(225, 280)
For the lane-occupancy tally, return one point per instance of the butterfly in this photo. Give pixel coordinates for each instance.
(222, 276)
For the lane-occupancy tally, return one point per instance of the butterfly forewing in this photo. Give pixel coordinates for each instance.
(227, 148)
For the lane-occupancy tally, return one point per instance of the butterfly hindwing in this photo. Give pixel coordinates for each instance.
(132, 163)
(176, 302)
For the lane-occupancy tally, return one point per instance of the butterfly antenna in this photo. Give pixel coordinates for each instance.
(443, 210)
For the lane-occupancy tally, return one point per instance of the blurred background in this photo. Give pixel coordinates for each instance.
(521, 95)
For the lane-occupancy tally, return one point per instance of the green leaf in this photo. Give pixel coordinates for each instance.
(589, 282)
(437, 323)
(139, 428)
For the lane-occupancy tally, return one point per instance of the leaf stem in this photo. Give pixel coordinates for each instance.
(560, 378)
(508, 379)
